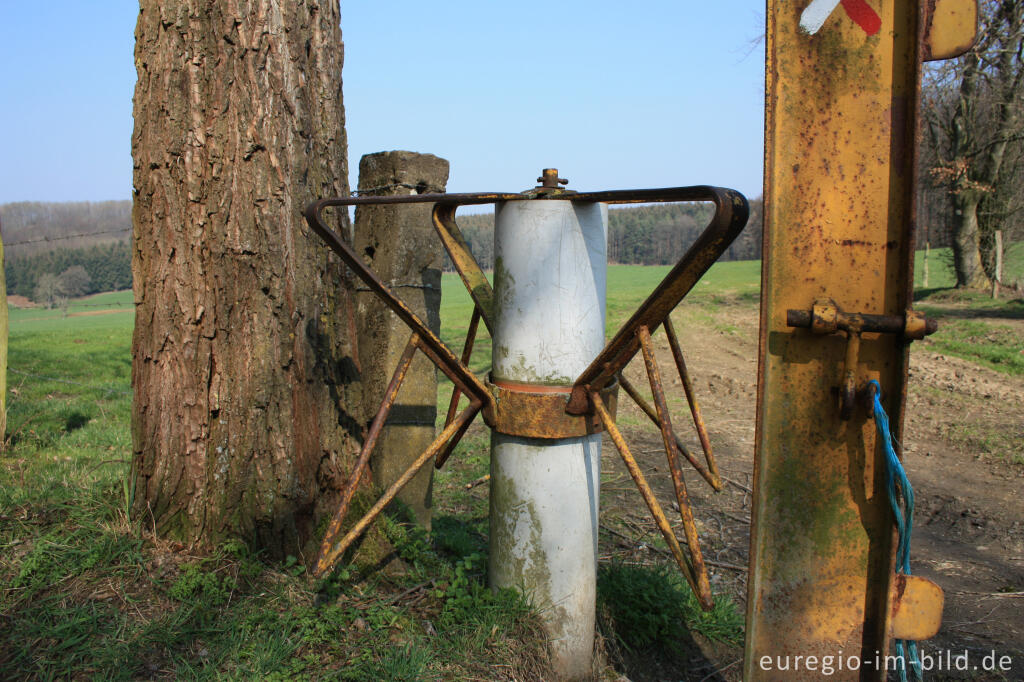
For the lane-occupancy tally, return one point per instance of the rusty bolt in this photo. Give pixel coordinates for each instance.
(549, 179)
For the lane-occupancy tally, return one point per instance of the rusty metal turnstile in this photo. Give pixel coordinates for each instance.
(533, 414)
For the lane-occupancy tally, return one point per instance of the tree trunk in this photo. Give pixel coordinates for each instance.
(967, 243)
(997, 249)
(247, 402)
(991, 80)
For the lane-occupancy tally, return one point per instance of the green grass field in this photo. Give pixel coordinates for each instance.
(972, 325)
(85, 592)
(628, 286)
(113, 310)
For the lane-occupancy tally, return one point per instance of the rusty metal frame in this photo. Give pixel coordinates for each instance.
(714, 478)
(331, 551)
(702, 586)
(472, 276)
(685, 562)
(467, 354)
(538, 411)
(587, 406)
(328, 552)
(652, 414)
(731, 212)
(428, 342)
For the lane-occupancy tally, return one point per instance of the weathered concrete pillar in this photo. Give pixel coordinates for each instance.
(400, 244)
(550, 261)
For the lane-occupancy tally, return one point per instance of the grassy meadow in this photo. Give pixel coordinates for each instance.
(86, 591)
(972, 325)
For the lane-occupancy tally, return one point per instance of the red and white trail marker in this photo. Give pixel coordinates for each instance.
(815, 14)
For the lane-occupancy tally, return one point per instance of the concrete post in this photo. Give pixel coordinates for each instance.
(400, 244)
(549, 292)
(998, 279)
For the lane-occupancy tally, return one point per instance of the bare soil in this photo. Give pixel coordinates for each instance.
(16, 301)
(104, 311)
(964, 453)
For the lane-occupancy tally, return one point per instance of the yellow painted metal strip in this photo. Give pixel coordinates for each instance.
(839, 174)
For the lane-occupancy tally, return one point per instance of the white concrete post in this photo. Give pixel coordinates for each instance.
(549, 292)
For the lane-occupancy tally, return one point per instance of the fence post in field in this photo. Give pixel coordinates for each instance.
(998, 279)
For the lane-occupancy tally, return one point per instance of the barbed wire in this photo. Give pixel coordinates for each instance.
(401, 285)
(124, 230)
(68, 381)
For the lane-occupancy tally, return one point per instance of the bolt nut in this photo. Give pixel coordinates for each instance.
(549, 179)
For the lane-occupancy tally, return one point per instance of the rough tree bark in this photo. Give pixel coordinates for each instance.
(247, 402)
(967, 242)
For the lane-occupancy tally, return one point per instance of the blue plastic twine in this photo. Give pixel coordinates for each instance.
(898, 486)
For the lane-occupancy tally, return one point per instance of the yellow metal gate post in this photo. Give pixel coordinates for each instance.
(841, 108)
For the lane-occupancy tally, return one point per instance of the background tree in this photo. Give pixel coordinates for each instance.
(47, 289)
(74, 281)
(975, 121)
(242, 356)
(108, 265)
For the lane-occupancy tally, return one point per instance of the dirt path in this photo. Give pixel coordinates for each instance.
(964, 452)
(105, 311)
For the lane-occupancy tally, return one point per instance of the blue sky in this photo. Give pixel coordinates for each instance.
(616, 95)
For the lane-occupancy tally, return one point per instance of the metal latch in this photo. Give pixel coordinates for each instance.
(825, 317)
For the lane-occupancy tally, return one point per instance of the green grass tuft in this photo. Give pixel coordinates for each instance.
(997, 346)
(652, 607)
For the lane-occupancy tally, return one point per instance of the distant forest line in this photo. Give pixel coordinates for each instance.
(46, 238)
(652, 234)
(108, 265)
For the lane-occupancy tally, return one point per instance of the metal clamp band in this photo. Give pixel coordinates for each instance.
(538, 411)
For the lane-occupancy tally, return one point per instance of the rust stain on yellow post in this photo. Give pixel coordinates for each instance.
(841, 105)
